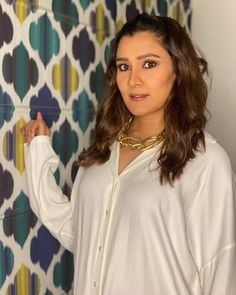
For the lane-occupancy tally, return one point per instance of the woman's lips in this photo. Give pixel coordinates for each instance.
(138, 97)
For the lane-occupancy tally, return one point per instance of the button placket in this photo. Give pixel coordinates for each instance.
(108, 221)
(101, 241)
(99, 255)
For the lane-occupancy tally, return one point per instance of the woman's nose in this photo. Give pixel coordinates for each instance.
(135, 78)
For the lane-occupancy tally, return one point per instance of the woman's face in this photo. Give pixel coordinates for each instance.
(145, 74)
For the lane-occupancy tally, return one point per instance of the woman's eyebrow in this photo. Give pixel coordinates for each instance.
(148, 55)
(121, 59)
(139, 57)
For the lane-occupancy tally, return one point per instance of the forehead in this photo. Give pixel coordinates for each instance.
(140, 43)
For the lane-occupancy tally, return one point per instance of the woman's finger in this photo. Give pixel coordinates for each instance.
(34, 128)
(42, 127)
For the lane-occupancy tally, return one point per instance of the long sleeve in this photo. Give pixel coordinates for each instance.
(218, 275)
(47, 201)
(213, 227)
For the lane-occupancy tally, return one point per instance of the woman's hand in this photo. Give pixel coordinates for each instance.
(35, 128)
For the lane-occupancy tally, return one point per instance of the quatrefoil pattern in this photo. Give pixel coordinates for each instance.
(53, 57)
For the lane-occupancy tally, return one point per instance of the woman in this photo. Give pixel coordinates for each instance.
(152, 209)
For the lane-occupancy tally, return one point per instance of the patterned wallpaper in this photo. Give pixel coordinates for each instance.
(53, 55)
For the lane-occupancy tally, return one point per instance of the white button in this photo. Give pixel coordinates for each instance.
(100, 248)
(95, 284)
(107, 212)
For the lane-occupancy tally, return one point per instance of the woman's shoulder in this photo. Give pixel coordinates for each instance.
(214, 152)
(210, 170)
(212, 158)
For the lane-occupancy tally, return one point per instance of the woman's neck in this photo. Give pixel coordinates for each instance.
(142, 128)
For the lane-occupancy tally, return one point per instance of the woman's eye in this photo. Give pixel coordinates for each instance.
(122, 67)
(149, 64)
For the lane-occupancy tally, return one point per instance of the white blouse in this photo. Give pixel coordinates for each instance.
(132, 236)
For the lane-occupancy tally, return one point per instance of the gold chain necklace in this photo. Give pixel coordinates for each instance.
(133, 143)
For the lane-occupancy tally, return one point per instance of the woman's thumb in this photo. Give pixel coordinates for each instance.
(42, 127)
(39, 116)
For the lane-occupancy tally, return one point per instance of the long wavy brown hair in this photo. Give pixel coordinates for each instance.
(184, 114)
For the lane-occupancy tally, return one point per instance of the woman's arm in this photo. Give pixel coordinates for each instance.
(212, 226)
(48, 202)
